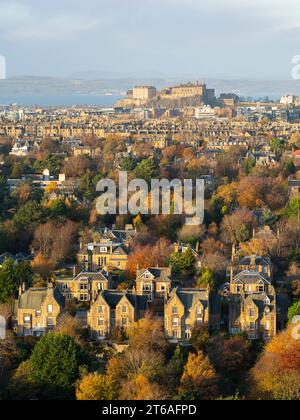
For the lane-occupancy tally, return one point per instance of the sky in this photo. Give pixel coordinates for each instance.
(228, 39)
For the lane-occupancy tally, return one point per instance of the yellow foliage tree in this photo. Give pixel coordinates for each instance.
(141, 389)
(199, 379)
(276, 375)
(96, 387)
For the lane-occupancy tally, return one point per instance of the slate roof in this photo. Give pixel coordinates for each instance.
(113, 297)
(159, 274)
(258, 261)
(250, 277)
(85, 275)
(35, 297)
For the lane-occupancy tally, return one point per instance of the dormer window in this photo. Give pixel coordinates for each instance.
(103, 250)
(260, 288)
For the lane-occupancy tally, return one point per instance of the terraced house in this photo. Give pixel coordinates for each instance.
(114, 309)
(37, 311)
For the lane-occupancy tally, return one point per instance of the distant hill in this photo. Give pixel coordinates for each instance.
(31, 85)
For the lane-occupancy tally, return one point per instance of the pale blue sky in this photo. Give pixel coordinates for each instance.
(213, 38)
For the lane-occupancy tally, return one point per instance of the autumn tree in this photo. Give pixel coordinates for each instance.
(199, 380)
(96, 387)
(276, 376)
(141, 389)
(238, 227)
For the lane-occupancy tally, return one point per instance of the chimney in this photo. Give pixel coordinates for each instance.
(23, 287)
(90, 260)
(231, 274)
(253, 260)
(20, 290)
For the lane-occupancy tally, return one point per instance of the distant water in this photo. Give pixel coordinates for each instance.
(72, 100)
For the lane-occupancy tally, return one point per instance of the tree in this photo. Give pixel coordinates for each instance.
(70, 326)
(183, 264)
(12, 276)
(147, 170)
(96, 387)
(294, 311)
(148, 334)
(206, 279)
(200, 338)
(141, 389)
(199, 379)
(293, 208)
(276, 376)
(55, 366)
(128, 164)
(238, 226)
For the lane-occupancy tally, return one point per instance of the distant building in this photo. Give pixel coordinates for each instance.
(294, 188)
(144, 92)
(288, 100)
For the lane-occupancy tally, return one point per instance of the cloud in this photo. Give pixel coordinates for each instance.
(19, 22)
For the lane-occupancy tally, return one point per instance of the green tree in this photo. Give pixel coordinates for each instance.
(294, 310)
(29, 216)
(128, 164)
(147, 170)
(293, 208)
(11, 277)
(55, 366)
(206, 279)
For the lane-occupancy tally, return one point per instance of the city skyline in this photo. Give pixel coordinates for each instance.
(162, 38)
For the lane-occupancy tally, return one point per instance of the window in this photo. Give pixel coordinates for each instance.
(124, 322)
(175, 322)
(100, 286)
(103, 250)
(101, 334)
(260, 288)
(188, 335)
(50, 309)
(199, 312)
(252, 326)
(147, 287)
(83, 286)
(101, 322)
(101, 310)
(37, 314)
(124, 309)
(83, 298)
(50, 322)
(174, 310)
(252, 313)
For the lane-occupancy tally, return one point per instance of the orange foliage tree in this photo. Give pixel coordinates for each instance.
(276, 375)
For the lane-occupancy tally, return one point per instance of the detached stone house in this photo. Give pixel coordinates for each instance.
(37, 311)
(84, 287)
(103, 255)
(252, 306)
(186, 308)
(154, 283)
